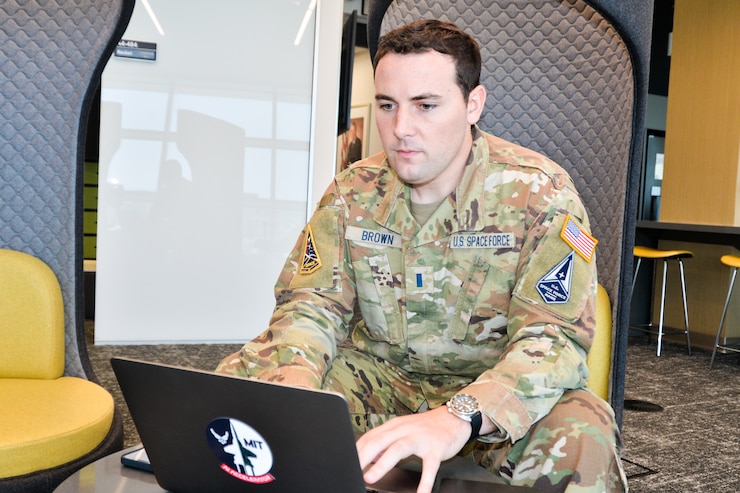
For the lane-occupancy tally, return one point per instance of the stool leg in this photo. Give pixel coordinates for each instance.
(685, 306)
(722, 319)
(662, 307)
(634, 281)
(634, 278)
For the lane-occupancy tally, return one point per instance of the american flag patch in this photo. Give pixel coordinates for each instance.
(574, 235)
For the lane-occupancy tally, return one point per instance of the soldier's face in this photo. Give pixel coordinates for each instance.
(424, 121)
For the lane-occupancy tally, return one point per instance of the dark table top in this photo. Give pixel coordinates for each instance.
(695, 233)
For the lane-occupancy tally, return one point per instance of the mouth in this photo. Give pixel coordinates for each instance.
(407, 153)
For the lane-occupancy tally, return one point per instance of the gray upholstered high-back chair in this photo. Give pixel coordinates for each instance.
(567, 78)
(52, 53)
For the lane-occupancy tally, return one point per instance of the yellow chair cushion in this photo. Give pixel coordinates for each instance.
(599, 359)
(32, 318)
(47, 423)
(731, 261)
(646, 252)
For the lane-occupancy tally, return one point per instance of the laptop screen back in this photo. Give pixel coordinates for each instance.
(209, 432)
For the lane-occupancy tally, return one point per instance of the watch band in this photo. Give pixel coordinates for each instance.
(476, 421)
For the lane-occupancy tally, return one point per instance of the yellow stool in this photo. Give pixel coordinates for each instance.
(734, 262)
(641, 253)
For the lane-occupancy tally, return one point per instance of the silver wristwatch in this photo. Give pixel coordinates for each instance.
(466, 407)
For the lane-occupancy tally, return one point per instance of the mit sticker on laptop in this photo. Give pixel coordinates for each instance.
(208, 432)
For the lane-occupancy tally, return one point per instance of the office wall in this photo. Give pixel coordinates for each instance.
(212, 155)
(363, 94)
(702, 181)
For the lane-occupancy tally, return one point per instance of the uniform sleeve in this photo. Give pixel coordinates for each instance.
(551, 321)
(314, 302)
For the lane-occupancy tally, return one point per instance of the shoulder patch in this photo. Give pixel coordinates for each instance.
(311, 259)
(579, 240)
(554, 287)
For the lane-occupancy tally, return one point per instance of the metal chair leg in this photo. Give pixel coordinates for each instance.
(662, 307)
(722, 319)
(685, 306)
(634, 277)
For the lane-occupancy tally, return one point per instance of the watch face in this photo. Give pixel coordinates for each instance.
(465, 404)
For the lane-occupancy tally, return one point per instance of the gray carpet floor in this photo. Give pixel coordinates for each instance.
(691, 445)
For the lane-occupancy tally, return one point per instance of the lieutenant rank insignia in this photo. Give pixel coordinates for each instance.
(579, 240)
(311, 259)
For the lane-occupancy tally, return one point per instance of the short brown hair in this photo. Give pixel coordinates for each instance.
(441, 36)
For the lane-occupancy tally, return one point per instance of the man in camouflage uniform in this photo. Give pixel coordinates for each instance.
(453, 263)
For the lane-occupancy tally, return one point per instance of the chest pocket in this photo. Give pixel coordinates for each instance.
(468, 297)
(377, 295)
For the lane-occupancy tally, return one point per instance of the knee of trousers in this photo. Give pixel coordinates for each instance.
(581, 412)
(580, 423)
(577, 442)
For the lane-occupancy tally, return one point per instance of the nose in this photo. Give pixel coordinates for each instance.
(403, 124)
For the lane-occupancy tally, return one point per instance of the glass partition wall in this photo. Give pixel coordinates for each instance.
(211, 145)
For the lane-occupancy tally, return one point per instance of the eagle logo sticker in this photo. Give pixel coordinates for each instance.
(311, 260)
(242, 451)
(554, 287)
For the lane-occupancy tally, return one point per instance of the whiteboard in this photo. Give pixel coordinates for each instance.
(217, 135)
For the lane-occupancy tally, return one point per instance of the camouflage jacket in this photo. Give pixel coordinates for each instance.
(493, 295)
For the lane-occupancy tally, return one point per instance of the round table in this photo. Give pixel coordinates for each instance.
(108, 474)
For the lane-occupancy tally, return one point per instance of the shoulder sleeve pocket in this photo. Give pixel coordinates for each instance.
(555, 278)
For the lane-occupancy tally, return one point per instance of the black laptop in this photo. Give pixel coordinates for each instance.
(204, 431)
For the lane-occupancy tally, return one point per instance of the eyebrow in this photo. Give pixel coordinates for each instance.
(420, 97)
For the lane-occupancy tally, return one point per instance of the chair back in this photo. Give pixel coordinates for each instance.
(599, 357)
(567, 78)
(31, 318)
(53, 54)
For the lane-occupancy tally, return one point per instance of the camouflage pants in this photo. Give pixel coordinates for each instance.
(574, 448)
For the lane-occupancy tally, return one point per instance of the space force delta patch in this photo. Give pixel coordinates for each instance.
(554, 287)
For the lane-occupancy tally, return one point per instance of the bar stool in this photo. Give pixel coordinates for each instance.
(734, 262)
(641, 252)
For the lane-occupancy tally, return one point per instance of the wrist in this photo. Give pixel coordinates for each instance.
(466, 408)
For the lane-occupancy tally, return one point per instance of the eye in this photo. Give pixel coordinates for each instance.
(386, 106)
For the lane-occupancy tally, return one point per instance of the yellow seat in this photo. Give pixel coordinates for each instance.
(599, 359)
(47, 420)
(732, 261)
(641, 252)
(653, 253)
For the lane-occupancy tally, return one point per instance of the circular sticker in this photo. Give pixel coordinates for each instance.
(243, 453)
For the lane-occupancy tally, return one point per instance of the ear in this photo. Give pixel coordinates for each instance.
(476, 103)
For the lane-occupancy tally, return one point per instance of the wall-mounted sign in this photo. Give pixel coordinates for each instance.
(139, 50)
